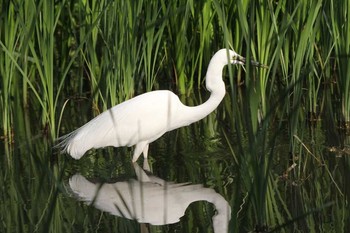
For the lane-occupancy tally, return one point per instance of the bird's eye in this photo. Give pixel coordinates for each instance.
(234, 59)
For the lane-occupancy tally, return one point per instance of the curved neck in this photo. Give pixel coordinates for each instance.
(200, 111)
(215, 85)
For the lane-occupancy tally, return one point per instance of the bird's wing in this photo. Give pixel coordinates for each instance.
(143, 118)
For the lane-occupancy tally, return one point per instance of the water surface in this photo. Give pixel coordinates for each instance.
(293, 183)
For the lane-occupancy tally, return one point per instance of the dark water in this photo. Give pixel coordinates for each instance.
(194, 176)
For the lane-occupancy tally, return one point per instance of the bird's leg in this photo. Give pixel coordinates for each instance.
(140, 147)
(141, 174)
(146, 166)
(145, 151)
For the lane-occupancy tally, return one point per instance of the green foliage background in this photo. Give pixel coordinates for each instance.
(60, 56)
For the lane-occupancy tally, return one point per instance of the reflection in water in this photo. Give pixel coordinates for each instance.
(150, 199)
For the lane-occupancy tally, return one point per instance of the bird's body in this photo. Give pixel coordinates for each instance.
(144, 118)
(122, 126)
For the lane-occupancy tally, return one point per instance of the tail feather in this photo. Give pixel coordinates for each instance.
(66, 144)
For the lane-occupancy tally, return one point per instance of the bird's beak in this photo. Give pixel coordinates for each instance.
(241, 60)
(258, 64)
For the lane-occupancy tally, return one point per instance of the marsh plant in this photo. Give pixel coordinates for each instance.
(277, 148)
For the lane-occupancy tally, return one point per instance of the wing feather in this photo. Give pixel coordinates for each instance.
(143, 118)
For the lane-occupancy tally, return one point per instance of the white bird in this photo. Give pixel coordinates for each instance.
(144, 118)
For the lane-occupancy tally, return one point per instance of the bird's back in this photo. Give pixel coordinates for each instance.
(143, 118)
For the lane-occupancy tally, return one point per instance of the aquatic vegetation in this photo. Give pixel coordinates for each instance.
(276, 148)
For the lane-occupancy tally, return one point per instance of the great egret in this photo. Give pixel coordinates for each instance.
(144, 118)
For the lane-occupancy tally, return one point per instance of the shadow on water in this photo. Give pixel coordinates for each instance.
(307, 188)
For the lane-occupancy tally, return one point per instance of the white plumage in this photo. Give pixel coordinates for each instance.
(144, 118)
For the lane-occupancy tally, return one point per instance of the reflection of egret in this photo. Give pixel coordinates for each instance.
(143, 119)
(150, 199)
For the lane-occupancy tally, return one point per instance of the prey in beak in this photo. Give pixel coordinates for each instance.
(238, 59)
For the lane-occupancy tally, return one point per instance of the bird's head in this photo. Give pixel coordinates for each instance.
(220, 59)
(235, 58)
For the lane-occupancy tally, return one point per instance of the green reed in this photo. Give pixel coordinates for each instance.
(91, 14)
(177, 27)
(8, 66)
(340, 31)
(151, 44)
(32, 57)
(302, 23)
(110, 51)
(176, 41)
(42, 48)
(124, 62)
